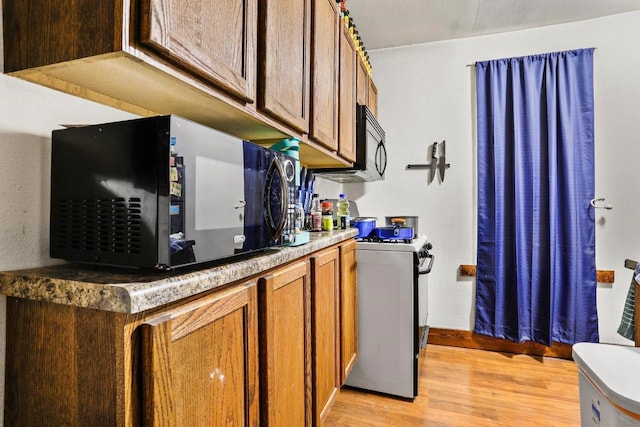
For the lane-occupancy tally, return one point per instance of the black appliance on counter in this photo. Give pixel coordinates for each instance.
(371, 154)
(164, 192)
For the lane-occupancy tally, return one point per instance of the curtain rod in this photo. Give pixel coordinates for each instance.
(474, 64)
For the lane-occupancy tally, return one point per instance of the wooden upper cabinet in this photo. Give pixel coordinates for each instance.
(38, 33)
(324, 73)
(284, 52)
(200, 362)
(240, 66)
(362, 83)
(372, 97)
(214, 39)
(347, 113)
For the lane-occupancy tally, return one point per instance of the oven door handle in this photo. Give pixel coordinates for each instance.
(428, 269)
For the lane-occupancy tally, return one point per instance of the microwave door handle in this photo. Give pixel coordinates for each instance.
(381, 158)
(378, 158)
(384, 157)
(276, 230)
(284, 200)
(267, 199)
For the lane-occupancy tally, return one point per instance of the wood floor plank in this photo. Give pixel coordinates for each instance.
(468, 387)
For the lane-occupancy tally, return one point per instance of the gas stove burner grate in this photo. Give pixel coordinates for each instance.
(377, 240)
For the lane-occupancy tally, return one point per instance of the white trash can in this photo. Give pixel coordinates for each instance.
(609, 381)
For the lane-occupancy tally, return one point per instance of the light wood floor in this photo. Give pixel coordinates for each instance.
(465, 387)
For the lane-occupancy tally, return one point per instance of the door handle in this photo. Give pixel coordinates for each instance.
(428, 269)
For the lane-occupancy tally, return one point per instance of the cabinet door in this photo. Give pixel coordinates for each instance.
(284, 347)
(215, 40)
(348, 309)
(284, 61)
(200, 362)
(325, 331)
(362, 83)
(324, 74)
(373, 97)
(347, 146)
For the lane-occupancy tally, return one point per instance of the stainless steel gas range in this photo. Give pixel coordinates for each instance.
(391, 275)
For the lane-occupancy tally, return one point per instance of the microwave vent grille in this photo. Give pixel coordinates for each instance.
(101, 225)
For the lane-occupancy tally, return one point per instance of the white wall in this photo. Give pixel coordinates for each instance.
(327, 189)
(427, 94)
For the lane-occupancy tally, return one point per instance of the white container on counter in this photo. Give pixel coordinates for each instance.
(609, 381)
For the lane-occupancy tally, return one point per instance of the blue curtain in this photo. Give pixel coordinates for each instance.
(536, 274)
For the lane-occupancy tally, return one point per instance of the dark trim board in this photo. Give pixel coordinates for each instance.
(602, 276)
(467, 339)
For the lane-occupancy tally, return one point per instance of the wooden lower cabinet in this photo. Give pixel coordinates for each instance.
(284, 347)
(325, 267)
(193, 364)
(200, 362)
(271, 351)
(348, 309)
(62, 367)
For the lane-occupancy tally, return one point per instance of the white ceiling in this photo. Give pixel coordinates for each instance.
(389, 23)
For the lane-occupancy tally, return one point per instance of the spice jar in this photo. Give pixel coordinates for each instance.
(327, 216)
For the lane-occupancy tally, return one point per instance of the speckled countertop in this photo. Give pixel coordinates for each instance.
(133, 291)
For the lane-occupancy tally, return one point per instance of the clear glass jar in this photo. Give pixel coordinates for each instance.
(316, 214)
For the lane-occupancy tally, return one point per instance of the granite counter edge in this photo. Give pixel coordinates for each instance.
(138, 293)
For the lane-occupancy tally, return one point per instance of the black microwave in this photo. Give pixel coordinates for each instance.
(371, 154)
(164, 192)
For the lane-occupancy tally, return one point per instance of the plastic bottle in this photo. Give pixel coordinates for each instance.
(327, 216)
(316, 214)
(343, 212)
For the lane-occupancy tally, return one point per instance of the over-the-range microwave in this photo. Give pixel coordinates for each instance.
(371, 154)
(164, 192)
